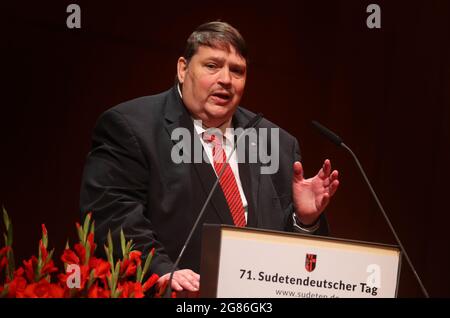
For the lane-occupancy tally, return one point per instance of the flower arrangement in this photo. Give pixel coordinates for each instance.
(84, 274)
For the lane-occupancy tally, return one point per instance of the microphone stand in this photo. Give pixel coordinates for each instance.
(338, 141)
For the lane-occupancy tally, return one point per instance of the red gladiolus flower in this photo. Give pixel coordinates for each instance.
(101, 267)
(150, 282)
(130, 289)
(44, 230)
(3, 258)
(44, 252)
(4, 250)
(90, 239)
(97, 292)
(16, 287)
(81, 252)
(135, 257)
(69, 257)
(161, 290)
(43, 289)
(127, 268)
(48, 268)
(3, 262)
(29, 267)
(34, 279)
(19, 272)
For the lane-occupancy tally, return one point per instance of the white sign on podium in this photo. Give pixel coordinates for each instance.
(243, 262)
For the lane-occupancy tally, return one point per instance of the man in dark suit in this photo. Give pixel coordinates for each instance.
(132, 182)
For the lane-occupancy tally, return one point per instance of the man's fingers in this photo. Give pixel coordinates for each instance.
(325, 200)
(195, 280)
(176, 286)
(334, 182)
(328, 181)
(298, 171)
(192, 277)
(196, 276)
(327, 167)
(333, 187)
(324, 172)
(187, 280)
(334, 175)
(184, 279)
(163, 280)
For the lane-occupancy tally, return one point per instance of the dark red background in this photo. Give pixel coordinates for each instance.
(385, 91)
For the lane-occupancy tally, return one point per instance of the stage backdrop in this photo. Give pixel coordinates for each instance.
(385, 91)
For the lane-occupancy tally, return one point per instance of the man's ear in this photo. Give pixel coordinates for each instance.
(181, 69)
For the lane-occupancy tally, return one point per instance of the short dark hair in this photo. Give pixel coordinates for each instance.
(215, 34)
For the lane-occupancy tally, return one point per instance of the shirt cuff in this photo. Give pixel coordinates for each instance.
(301, 228)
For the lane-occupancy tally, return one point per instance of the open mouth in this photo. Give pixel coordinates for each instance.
(221, 97)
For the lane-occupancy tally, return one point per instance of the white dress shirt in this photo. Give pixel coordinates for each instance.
(227, 144)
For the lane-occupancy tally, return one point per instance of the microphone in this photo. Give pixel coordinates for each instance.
(338, 141)
(253, 122)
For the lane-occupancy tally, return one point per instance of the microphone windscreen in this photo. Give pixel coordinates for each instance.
(327, 133)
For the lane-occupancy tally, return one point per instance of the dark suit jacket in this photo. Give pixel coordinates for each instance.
(131, 182)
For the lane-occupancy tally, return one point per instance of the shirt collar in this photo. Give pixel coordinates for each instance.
(229, 136)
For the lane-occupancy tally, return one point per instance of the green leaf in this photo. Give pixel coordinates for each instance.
(139, 274)
(110, 247)
(39, 256)
(116, 293)
(9, 229)
(50, 255)
(91, 278)
(110, 260)
(128, 248)
(11, 265)
(148, 261)
(92, 230)
(88, 253)
(115, 277)
(87, 221)
(6, 220)
(9, 239)
(117, 270)
(123, 246)
(109, 280)
(80, 233)
(110, 241)
(67, 245)
(44, 240)
(37, 271)
(106, 251)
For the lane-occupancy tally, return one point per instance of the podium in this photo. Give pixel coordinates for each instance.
(255, 263)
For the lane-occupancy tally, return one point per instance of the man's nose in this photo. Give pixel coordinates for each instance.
(225, 77)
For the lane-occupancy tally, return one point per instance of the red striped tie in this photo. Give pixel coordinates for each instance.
(227, 181)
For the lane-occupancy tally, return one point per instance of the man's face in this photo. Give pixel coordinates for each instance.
(213, 84)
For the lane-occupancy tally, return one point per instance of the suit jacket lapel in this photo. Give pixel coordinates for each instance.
(178, 116)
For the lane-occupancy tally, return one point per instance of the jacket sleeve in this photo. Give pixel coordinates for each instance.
(114, 188)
